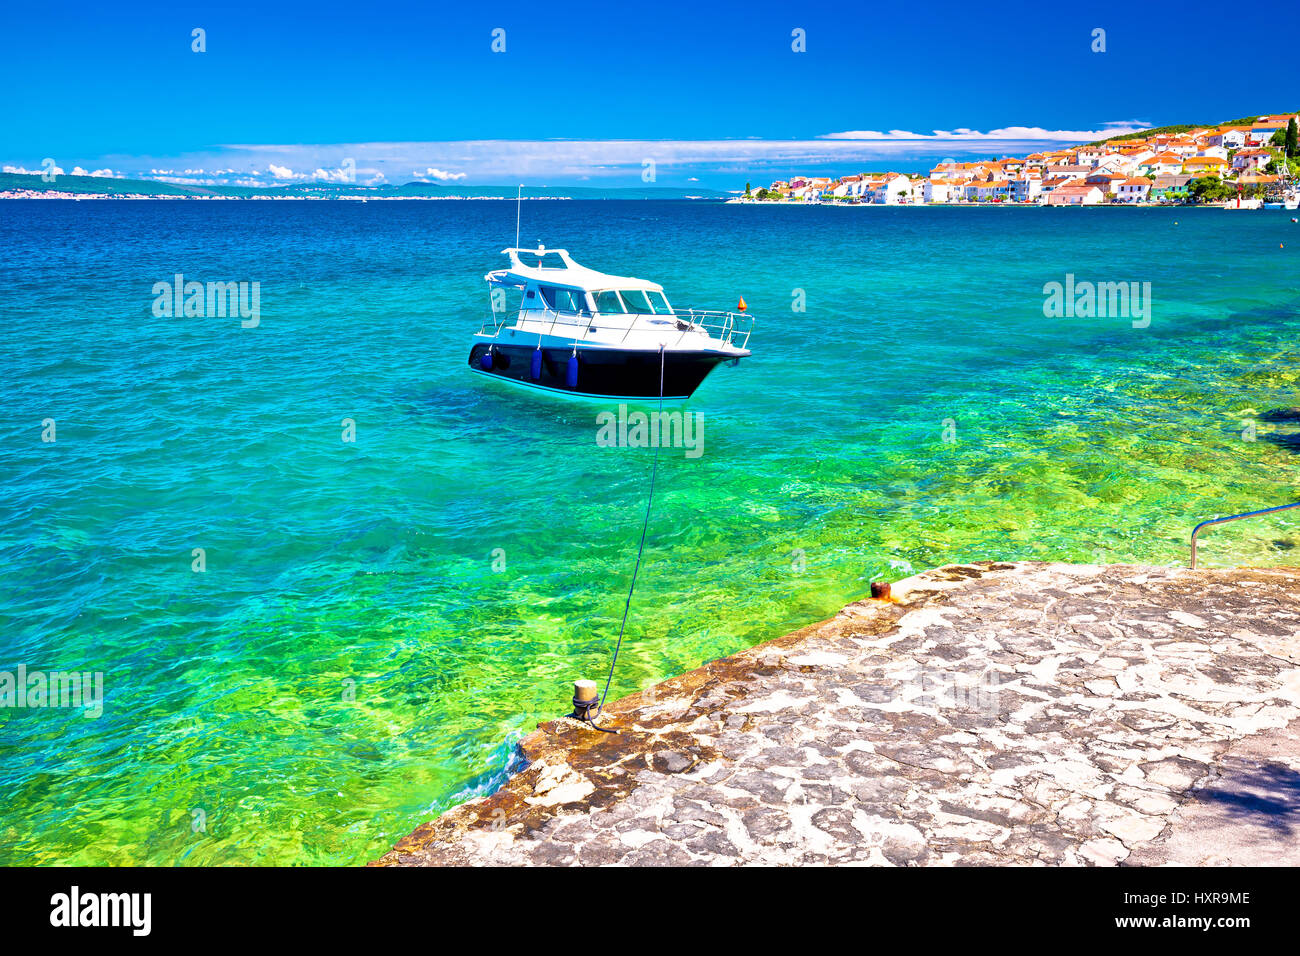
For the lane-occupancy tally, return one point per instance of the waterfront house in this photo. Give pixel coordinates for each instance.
(1074, 194)
(1108, 183)
(858, 187)
(1133, 190)
(937, 189)
(993, 190)
(1026, 188)
(890, 189)
(1170, 187)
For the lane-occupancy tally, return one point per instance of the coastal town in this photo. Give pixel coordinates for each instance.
(1245, 163)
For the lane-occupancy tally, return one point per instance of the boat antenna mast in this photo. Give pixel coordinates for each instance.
(519, 196)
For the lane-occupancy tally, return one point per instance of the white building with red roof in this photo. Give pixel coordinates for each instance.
(1251, 158)
(1133, 190)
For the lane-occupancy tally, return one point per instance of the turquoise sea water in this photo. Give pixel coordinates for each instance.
(352, 662)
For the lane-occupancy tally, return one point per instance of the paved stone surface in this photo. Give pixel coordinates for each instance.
(1246, 813)
(988, 714)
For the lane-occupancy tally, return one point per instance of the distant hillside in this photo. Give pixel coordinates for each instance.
(94, 184)
(1181, 128)
(85, 185)
(1154, 131)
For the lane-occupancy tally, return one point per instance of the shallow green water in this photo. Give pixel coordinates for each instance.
(351, 663)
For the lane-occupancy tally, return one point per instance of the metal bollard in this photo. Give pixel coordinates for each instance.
(585, 699)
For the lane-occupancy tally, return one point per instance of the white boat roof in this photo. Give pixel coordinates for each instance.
(561, 270)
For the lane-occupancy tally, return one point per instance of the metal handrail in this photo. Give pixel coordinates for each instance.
(499, 320)
(1225, 520)
(726, 326)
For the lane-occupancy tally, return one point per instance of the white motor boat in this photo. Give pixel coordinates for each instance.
(561, 327)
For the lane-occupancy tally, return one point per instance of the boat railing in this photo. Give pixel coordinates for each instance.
(732, 328)
(496, 321)
(1228, 518)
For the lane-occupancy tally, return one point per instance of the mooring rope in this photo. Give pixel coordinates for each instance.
(654, 473)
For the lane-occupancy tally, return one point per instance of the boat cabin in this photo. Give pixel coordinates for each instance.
(549, 281)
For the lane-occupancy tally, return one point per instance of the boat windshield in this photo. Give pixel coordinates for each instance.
(659, 303)
(633, 301)
(636, 302)
(563, 300)
(608, 302)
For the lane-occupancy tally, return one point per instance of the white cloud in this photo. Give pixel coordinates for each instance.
(611, 162)
(332, 175)
(441, 175)
(97, 174)
(24, 171)
(1026, 133)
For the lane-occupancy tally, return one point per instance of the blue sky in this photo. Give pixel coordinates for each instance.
(585, 93)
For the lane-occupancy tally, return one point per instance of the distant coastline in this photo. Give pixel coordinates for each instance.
(77, 197)
(1248, 160)
(34, 186)
(944, 204)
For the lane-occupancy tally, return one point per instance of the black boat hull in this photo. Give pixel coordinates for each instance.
(601, 373)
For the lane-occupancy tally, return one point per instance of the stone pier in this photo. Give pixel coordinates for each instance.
(1021, 713)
